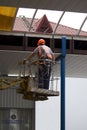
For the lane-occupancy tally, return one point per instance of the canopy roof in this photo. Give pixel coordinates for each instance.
(9, 13)
(68, 5)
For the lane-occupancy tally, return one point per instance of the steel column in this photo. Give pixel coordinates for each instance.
(63, 84)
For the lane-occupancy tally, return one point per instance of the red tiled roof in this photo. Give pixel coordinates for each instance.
(44, 25)
(20, 26)
(66, 30)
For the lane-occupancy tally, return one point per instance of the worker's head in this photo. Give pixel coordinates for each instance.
(41, 42)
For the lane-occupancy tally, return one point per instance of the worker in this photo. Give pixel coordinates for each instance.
(45, 56)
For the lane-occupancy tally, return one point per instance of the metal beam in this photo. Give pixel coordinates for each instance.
(58, 22)
(78, 32)
(32, 19)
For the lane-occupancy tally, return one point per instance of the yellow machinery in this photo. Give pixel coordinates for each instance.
(28, 82)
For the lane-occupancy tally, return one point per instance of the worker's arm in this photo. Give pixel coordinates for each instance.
(53, 57)
(28, 57)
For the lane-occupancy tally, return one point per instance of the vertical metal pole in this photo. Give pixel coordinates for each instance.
(63, 83)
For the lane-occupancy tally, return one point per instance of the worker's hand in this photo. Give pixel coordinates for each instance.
(24, 61)
(53, 62)
(20, 62)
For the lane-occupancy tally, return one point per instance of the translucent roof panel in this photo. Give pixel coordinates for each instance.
(69, 19)
(52, 16)
(27, 12)
(72, 19)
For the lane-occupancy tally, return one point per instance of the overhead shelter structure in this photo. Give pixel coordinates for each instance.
(9, 9)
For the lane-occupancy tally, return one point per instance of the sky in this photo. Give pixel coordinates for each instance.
(70, 19)
(48, 112)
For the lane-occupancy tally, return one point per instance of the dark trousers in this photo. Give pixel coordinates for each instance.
(44, 76)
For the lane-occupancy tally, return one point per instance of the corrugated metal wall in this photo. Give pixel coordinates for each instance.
(16, 119)
(9, 98)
